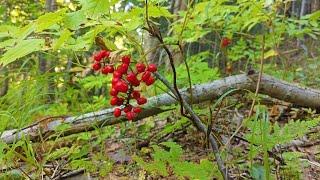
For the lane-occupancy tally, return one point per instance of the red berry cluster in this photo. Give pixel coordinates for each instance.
(225, 42)
(125, 81)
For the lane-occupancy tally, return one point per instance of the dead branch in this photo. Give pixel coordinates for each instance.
(273, 87)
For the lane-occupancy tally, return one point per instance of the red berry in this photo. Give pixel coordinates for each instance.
(121, 86)
(141, 100)
(105, 70)
(137, 110)
(97, 57)
(109, 68)
(114, 101)
(123, 68)
(115, 80)
(150, 81)
(105, 53)
(96, 66)
(145, 76)
(152, 68)
(225, 42)
(113, 92)
(140, 67)
(127, 108)
(120, 101)
(117, 74)
(126, 59)
(130, 115)
(132, 79)
(135, 94)
(117, 112)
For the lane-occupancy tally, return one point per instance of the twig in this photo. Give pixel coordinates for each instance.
(25, 173)
(181, 49)
(55, 171)
(256, 92)
(212, 119)
(156, 33)
(72, 173)
(196, 120)
(259, 78)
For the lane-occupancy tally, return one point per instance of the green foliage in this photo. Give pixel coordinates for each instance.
(69, 34)
(174, 127)
(73, 20)
(274, 133)
(257, 172)
(264, 136)
(91, 82)
(96, 8)
(21, 49)
(64, 36)
(173, 158)
(199, 70)
(293, 167)
(49, 19)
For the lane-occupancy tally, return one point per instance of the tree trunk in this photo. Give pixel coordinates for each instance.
(44, 65)
(150, 44)
(315, 5)
(4, 84)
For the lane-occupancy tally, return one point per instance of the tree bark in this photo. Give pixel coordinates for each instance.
(275, 88)
(4, 84)
(315, 5)
(45, 65)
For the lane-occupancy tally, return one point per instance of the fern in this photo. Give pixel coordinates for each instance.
(263, 135)
(278, 135)
(173, 158)
(91, 82)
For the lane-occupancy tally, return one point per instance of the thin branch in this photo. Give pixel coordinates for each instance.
(154, 31)
(196, 120)
(259, 78)
(256, 91)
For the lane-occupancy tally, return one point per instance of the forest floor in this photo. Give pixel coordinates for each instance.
(139, 138)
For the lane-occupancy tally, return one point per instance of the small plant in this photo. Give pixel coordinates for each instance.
(170, 157)
(264, 135)
(125, 81)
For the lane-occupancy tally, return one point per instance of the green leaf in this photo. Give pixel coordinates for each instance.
(22, 49)
(154, 11)
(49, 19)
(175, 150)
(8, 31)
(7, 43)
(270, 53)
(58, 153)
(84, 42)
(65, 35)
(110, 45)
(95, 8)
(133, 24)
(157, 167)
(25, 31)
(257, 172)
(74, 20)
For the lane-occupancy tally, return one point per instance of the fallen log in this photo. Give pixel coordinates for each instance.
(273, 87)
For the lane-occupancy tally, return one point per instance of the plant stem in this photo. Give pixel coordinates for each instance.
(259, 78)
(197, 122)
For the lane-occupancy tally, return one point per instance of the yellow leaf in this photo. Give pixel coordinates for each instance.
(270, 53)
(76, 69)
(14, 13)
